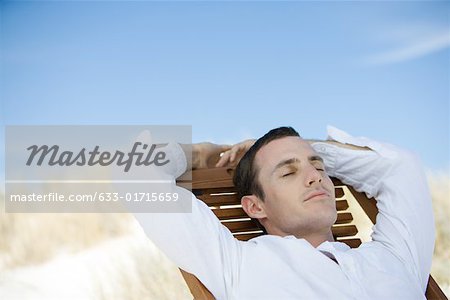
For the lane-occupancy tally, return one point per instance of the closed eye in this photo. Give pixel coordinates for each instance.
(288, 174)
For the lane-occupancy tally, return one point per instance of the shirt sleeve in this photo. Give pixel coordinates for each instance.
(395, 178)
(196, 242)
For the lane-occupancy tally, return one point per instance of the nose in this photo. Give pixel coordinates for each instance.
(313, 176)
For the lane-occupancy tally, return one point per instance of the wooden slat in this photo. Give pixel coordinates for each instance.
(186, 185)
(343, 218)
(241, 226)
(336, 181)
(341, 205)
(339, 192)
(368, 205)
(433, 291)
(247, 236)
(352, 243)
(218, 200)
(347, 230)
(196, 286)
(201, 192)
(230, 213)
(212, 178)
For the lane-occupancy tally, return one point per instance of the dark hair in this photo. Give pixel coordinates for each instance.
(245, 177)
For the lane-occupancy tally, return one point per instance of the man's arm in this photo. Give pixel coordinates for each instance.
(395, 178)
(196, 242)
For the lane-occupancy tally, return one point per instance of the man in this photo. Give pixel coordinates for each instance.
(284, 184)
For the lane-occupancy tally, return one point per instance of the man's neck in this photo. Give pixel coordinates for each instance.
(316, 239)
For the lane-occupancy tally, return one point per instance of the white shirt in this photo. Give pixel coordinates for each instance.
(395, 265)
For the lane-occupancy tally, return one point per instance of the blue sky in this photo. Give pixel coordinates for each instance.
(233, 70)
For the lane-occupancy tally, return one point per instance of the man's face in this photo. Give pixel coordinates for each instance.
(299, 195)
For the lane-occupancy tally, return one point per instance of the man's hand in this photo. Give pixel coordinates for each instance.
(206, 155)
(232, 156)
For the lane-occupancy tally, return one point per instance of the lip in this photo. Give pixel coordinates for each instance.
(315, 194)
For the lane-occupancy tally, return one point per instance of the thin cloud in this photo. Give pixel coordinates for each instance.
(414, 50)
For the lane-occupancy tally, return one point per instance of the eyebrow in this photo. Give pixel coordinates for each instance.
(294, 160)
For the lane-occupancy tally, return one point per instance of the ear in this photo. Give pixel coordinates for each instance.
(253, 206)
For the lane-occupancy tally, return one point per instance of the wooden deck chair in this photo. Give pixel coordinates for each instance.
(215, 187)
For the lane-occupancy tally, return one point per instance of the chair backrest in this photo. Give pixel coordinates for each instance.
(215, 187)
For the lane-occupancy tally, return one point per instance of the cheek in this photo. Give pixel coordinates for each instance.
(281, 215)
(332, 191)
(279, 201)
(329, 185)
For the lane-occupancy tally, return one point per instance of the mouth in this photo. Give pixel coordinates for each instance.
(316, 195)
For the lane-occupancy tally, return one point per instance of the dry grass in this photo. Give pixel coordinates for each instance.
(440, 192)
(83, 256)
(106, 256)
(33, 238)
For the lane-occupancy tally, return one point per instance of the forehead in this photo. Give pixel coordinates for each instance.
(284, 148)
